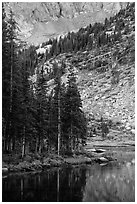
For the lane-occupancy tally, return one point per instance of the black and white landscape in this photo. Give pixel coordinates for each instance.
(68, 101)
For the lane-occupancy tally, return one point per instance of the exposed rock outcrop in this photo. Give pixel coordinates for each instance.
(106, 92)
(39, 21)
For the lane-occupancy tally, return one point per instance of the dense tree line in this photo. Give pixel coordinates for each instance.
(93, 36)
(36, 120)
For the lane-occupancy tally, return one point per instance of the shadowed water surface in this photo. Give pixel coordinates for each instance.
(112, 182)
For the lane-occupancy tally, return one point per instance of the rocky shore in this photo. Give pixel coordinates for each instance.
(32, 162)
(36, 162)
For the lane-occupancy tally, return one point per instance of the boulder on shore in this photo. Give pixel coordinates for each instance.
(102, 159)
(4, 170)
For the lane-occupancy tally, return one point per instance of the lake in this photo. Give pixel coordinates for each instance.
(92, 183)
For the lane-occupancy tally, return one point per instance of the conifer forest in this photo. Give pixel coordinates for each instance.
(68, 104)
(35, 119)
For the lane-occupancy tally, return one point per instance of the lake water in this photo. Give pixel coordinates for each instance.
(92, 183)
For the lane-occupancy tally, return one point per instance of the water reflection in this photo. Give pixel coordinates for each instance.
(51, 185)
(111, 184)
(87, 183)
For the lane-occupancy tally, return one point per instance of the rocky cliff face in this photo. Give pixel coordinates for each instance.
(39, 21)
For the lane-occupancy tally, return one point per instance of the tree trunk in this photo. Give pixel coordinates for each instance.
(23, 142)
(27, 148)
(6, 145)
(11, 88)
(3, 144)
(59, 123)
(4, 136)
(11, 80)
(40, 147)
(36, 147)
(71, 133)
(11, 144)
(14, 141)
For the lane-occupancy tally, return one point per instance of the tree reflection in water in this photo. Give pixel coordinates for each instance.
(74, 184)
(55, 184)
(110, 184)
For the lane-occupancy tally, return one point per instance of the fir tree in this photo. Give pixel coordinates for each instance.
(56, 107)
(57, 102)
(5, 74)
(74, 128)
(42, 106)
(24, 96)
(9, 67)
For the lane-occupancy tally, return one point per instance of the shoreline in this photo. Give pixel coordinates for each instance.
(47, 162)
(33, 163)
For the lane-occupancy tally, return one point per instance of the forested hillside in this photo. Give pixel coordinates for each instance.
(59, 93)
(105, 70)
(95, 36)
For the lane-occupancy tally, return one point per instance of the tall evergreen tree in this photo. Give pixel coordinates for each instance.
(5, 75)
(24, 95)
(42, 107)
(9, 69)
(57, 101)
(74, 129)
(56, 105)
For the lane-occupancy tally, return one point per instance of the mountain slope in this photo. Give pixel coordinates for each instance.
(106, 78)
(39, 21)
